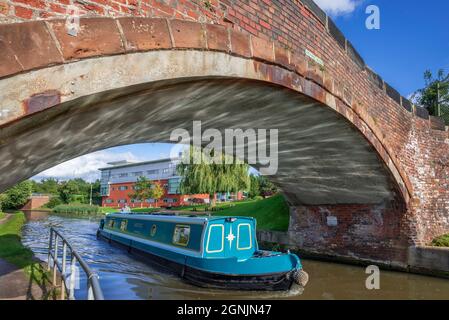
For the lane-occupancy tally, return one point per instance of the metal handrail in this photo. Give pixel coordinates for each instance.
(94, 291)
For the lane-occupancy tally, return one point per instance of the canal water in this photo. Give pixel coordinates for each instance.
(124, 276)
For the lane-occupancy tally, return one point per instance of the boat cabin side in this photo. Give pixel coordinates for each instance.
(217, 237)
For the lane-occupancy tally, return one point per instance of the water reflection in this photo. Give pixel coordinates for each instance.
(124, 276)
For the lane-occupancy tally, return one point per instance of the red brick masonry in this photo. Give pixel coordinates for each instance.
(275, 36)
(36, 202)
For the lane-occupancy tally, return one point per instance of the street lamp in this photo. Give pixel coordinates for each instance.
(90, 201)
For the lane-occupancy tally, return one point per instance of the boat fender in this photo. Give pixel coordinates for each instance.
(301, 277)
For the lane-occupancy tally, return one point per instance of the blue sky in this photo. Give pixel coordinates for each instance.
(413, 37)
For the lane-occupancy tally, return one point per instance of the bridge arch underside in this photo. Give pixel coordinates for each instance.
(327, 168)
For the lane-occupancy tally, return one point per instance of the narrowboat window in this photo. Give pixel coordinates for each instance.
(215, 239)
(123, 225)
(111, 223)
(244, 241)
(181, 235)
(153, 230)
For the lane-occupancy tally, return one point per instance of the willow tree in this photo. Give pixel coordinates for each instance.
(146, 189)
(199, 174)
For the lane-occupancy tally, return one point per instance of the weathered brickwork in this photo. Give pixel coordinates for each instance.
(372, 232)
(276, 35)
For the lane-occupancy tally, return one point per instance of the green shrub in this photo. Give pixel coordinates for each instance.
(442, 241)
(18, 195)
(78, 209)
(54, 201)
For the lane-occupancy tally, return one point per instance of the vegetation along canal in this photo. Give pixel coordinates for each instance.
(124, 276)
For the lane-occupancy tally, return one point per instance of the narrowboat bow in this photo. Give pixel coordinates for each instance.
(213, 252)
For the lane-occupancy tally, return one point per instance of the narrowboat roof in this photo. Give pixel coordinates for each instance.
(179, 218)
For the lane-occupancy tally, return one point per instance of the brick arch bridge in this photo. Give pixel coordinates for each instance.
(350, 146)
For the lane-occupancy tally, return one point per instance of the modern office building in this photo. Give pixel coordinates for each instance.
(118, 180)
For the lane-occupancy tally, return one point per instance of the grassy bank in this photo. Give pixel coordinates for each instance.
(2, 215)
(135, 210)
(442, 241)
(12, 250)
(78, 210)
(271, 214)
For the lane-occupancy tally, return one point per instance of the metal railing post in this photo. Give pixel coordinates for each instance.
(55, 259)
(90, 293)
(72, 277)
(64, 257)
(50, 244)
(94, 291)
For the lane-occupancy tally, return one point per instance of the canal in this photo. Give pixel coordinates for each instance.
(123, 276)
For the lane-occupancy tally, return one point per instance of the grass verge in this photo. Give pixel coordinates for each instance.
(13, 251)
(271, 213)
(78, 210)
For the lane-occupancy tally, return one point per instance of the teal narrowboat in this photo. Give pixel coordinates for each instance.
(213, 252)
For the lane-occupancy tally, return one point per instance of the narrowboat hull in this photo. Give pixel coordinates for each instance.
(278, 281)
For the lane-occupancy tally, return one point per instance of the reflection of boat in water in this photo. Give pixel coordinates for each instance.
(213, 252)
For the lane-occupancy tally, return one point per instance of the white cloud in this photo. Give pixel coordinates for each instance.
(338, 7)
(86, 166)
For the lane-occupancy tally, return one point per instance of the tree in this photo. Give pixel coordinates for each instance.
(202, 176)
(79, 187)
(254, 189)
(17, 196)
(2, 201)
(146, 189)
(435, 95)
(67, 190)
(267, 188)
(46, 186)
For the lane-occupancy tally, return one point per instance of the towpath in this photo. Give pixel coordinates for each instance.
(15, 284)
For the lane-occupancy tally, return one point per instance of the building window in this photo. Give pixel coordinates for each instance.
(155, 171)
(181, 235)
(173, 186)
(123, 188)
(122, 201)
(109, 201)
(123, 225)
(135, 201)
(165, 170)
(123, 175)
(150, 201)
(138, 174)
(104, 190)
